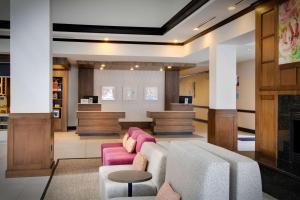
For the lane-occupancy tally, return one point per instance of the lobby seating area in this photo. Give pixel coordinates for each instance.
(195, 170)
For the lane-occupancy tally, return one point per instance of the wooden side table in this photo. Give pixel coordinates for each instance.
(129, 176)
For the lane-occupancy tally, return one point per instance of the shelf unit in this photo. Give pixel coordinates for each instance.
(60, 99)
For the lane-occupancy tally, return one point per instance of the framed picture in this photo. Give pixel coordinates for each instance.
(129, 93)
(108, 93)
(56, 113)
(288, 33)
(151, 93)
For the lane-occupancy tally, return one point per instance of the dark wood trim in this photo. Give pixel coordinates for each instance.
(71, 128)
(116, 42)
(4, 58)
(247, 130)
(80, 28)
(205, 107)
(246, 111)
(189, 9)
(201, 120)
(4, 37)
(4, 24)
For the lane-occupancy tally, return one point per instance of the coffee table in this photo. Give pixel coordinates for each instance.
(129, 176)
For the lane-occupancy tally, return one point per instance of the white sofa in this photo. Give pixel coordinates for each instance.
(245, 178)
(194, 173)
(156, 156)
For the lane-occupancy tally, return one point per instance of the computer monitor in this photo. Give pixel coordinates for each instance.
(95, 98)
(183, 99)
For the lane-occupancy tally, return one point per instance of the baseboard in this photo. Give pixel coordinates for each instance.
(247, 130)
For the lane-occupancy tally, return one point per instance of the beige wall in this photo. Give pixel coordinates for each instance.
(246, 89)
(201, 96)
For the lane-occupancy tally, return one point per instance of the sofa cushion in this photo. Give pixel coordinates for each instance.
(140, 162)
(109, 145)
(130, 145)
(245, 178)
(197, 174)
(117, 156)
(157, 159)
(132, 129)
(144, 137)
(167, 193)
(124, 140)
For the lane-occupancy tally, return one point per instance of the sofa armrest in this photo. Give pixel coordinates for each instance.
(109, 145)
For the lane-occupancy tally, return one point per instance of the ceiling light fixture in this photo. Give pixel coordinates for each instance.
(231, 8)
(106, 39)
(161, 69)
(203, 23)
(175, 41)
(103, 65)
(169, 67)
(137, 66)
(101, 68)
(131, 69)
(196, 29)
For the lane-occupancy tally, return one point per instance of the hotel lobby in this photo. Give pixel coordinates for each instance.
(149, 100)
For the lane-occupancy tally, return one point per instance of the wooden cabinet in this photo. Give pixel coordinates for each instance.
(60, 99)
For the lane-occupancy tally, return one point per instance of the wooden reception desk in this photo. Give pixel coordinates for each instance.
(98, 123)
(181, 107)
(89, 107)
(172, 122)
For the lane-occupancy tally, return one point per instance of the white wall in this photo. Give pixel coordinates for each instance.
(246, 100)
(72, 96)
(135, 110)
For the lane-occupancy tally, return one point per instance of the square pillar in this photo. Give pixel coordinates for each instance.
(30, 135)
(222, 114)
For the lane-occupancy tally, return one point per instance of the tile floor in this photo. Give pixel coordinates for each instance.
(67, 145)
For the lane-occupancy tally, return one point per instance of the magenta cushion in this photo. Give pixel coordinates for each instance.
(132, 129)
(117, 156)
(144, 137)
(109, 145)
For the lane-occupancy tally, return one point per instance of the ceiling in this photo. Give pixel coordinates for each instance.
(136, 13)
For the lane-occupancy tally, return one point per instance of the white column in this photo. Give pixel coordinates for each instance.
(222, 77)
(31, 56)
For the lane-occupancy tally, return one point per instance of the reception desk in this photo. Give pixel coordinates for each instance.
(172, 122)
(89, 107)
(181, 107)
(98, 123)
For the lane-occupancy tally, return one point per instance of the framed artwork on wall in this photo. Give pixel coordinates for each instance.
(108, 93)
(151, 93)
(129, 93)
(289, 32)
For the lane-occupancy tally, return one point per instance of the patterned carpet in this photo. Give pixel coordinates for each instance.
(74, 179)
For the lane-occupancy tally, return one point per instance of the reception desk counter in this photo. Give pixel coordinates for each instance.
(172, 122)
(98, 123)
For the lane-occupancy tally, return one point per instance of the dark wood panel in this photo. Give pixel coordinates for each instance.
(171, 88)
(30, 144)
(100, 123)
(222, 128)
(181, 107)
(288, 77)
(85, 82)
(89, 107)
(142, 125)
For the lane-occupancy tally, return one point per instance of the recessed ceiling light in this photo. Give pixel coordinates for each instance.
(161, 69)
(106, 39)
(196, 29)
(169, 67)
(131, 69)
(175, 41)
(137, 66)
(231, 8)
(101, 68)
(103, 65)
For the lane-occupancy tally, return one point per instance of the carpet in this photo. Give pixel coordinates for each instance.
(74, 179)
